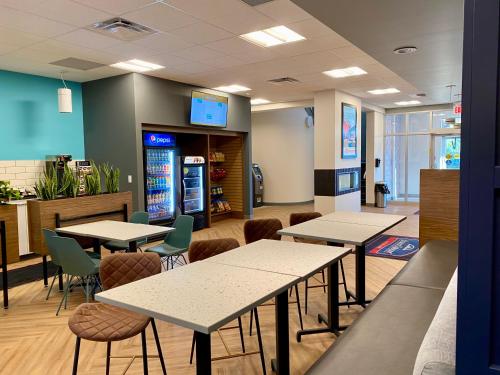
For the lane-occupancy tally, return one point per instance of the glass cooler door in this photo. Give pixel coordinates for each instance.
(193, 188)
(160, 183)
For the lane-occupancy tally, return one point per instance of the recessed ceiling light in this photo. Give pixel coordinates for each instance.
(259, 101)
(232, 88)
(136, 65)
(273, 36)
(408, 102)
(391, 90)
(346, 72)
(405, 50)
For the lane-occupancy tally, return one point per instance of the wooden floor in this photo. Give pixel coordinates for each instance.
(34, 341)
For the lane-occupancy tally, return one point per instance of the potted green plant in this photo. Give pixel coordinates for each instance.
(8, 193)
(111, 178)
(46, 188)
(93, 181)
(70, 183)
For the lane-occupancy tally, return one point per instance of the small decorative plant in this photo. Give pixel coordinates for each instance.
(93, 181)
(70, 183)
(111, 178)
(46, 188)
(7, 192)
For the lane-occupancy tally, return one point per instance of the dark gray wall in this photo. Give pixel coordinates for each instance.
(110, 127)
(116, 108)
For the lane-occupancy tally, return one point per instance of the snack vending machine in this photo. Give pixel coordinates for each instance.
(193, 170)
(159, 176)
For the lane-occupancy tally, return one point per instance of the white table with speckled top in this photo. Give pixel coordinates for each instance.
(204, 296)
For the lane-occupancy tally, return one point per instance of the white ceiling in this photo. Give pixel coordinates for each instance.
(198, 43)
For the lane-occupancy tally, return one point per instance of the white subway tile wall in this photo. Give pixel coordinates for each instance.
(23, 174)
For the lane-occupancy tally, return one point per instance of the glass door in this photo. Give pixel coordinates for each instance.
(193, 188)
(160, 183)
(446, 151)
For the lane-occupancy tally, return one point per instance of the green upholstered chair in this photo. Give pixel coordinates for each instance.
(175, 243)
(139, 217)
(75, 263)
(54, 257)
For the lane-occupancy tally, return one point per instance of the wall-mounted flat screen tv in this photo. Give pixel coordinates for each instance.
(208, 109)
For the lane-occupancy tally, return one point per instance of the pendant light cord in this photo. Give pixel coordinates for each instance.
(64, 82)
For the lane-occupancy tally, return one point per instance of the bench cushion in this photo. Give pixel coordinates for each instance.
(437, 352)
(431, 267)
(386, 337)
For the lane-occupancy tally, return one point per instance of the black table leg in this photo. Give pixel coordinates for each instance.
(332, 320)
(203, 354)
(132, 247)
(360, 276)
(60, 272)
(281, 365)
(45, 271)
(5, 279)
(97, 245)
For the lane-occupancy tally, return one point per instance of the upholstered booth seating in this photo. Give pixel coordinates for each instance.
(387, 336)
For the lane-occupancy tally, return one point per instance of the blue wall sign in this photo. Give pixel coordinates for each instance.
(159, 140)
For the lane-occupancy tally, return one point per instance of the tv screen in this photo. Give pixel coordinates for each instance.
(208, 109)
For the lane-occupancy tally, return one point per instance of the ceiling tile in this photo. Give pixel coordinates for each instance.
(18, 39)
(88, 39)
(31, 23)
(199, 53)
(69, 11)
(244, 22)
(200, 33)
(161, 17)
(129, 51)
(163, 43)
(310, 45)
(311, 28)
(283, 11)
(206, 10)
(115, 7)
(194, 67)
(21, 4)
(225, 62)
(167, 60)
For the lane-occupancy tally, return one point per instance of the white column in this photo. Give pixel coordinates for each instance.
(374, 150)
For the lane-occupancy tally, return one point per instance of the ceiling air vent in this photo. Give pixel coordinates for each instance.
(283, 81)
(122, 29)
(253, 3)
(74, 63)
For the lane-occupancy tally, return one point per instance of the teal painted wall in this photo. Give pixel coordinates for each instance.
(31, 126)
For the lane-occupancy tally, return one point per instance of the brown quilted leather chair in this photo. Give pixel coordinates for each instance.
(200, 250)
(302, 217)
(107, 323)
(260, 229)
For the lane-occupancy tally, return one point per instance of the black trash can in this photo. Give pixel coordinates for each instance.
(381, 192)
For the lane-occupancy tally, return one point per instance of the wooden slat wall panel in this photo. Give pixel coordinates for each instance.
(41, 214)
(232, 185)
(439, 202)
(8, 213)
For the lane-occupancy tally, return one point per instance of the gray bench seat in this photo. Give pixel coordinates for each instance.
(386, 337)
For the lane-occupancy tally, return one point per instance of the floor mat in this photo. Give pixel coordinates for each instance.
(393, 247)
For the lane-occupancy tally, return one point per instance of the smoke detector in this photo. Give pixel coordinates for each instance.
(122, 29)
(254, 3)
(406, 50)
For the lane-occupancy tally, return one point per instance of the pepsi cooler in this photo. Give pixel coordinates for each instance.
(193, 196)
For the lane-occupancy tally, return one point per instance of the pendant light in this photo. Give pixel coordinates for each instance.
(64, 98)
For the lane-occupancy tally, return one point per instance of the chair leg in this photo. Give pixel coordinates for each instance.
(158, 347)
(324, 282)
(259, 339)
(108, 356)
(184, 258)
(144, 352)
(251, 322)
(306, 295)
(344, 282)
(87, 290)
(291, 291)
(298, 306)
(242, 339)
(192, 349)
(77, 353)
(52, 284)
(65, 295)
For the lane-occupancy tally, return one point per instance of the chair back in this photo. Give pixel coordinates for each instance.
(74, 260)
(261, 229)
(200, 250)
(181, 236)
(140, 217)
(120, 269)
(301, 217)
(48, 234)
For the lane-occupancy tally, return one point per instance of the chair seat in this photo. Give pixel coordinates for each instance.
(104, 323)
(165, 250)
(93, 254)
(116, 245)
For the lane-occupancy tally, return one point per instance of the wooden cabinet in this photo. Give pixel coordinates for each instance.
(8, 213)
